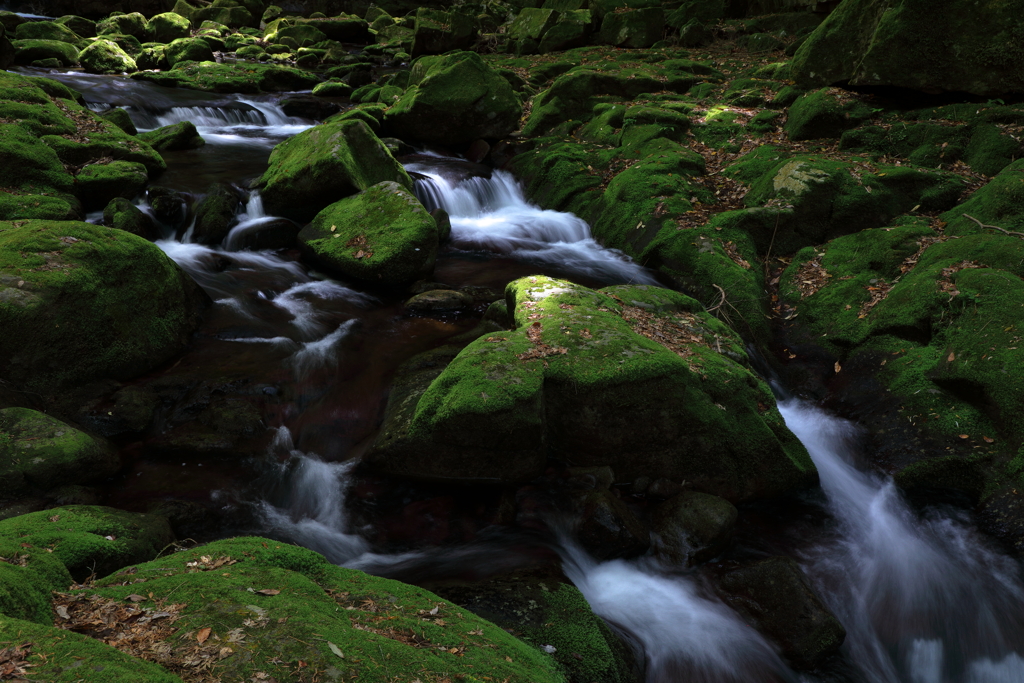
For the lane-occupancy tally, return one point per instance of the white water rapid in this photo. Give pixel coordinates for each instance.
(247, 119)
(923, 599)
(492, 214)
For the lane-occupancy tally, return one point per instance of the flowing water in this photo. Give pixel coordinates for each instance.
(923, 596)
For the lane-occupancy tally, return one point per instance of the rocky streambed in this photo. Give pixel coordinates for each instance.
(584, 343)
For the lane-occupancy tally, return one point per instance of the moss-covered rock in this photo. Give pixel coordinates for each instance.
(46, 30)
(86, 28)
(232, 17)
(28, 51)
(381, 235)
(123, 215)
(106, 57)
(556, 386)
(177, 136)
(169, 26)
(916, 44)
(188, 50)
(120, 118)
(36, 183)
(232, 78)
(454, 99)
(635, 28)
(333, 89)
(438, 31)
(215, 214)
(133, 24)
(324, 164)
(824, 114)
(692, 527)
(81, 302)
(97, 184)
(47, 453)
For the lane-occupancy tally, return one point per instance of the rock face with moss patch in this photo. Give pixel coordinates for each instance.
(188, 50)
(578, 380)
(177, 136)
(324, 164)
(106, 57)
(80, 302)
(381, 235)
(245, 78)
(46, 453)
(97, 184)
(917, 44)
(452, 100)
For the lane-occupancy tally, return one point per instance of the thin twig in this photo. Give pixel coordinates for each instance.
(994, 227)
(722, 301)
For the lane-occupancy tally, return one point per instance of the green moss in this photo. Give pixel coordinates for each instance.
(133, 24)
(232, 78)
(93, 303)
(177, 136)
(382, 235)
(169, 26)
(28, 51)
(188, 50)
(333, 89)
(821, 114)
(46, 30)
(1000, 202)
(106, 57)
(97, 184)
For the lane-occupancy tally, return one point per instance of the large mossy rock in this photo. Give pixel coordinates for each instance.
(917, 44)
(188, 50)
(46, 453)
(28, 51)
(436, 31)
(637, 28)
(79, 302)
(133, 24)
(324, 164)
(381, 235)
(106, 57)
(177, 136)
(97, 184)
(169, 26)
(454, 99)
(579, 380)
(46, 30)
(245, 78)
(279, 611)
(43, 188)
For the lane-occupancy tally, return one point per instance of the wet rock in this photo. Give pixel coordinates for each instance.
(437, 31)
(276, 234)
(73, 494)
(97, 184)
(216, 213)
(439, 300)
(246, 78)
(169, 207)
(454, 99)
(169, 26)
(308, 106)
(106, 57)
(119, 308)
(123, 215)
(48, 453)
(46, 30)
(324, 164)
(28, 51)
(382, 235)
(774, 596)
(490, 397)
(608, 529)
(229, 427)
(120, 118)
(188, 50)
(133, 24)
(693, 527)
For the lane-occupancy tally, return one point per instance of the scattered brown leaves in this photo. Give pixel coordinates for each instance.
(734, 253)
(811, 276)
(540, 349)
(945, 281)
(678, 332)
(14, 662)
(358, 243)
(207, 564)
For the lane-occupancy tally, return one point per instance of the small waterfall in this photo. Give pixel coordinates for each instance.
(492, 214)
(923, 600)
(249, 220)
(239, 120)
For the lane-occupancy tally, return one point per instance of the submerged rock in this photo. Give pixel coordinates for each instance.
(558, 385)
(324, 164)
(381, 235)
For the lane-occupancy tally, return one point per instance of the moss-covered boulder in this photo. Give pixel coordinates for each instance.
(454, 99)
(36, 183)
(133, 24)
(177, 136)
(635, 28)
(120, 118)
(188, 50)
(234, 16)
(46, 453)
(80, 302)
(28, 51)
(106, 57)
(571, 29)
(558, 385)
(333, 89)
(917, 44)
(169, 26)
(123, 215)
(232, 78)
(692, 527)
(97, 184)
(381, 235)
(46, 30)
(86, 28)
(324, 164)
(281, 611)
(824, 113)
(438, 31)
(301, 35)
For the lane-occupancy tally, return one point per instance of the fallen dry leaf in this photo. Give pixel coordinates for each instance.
(269, 591)
(203, 634)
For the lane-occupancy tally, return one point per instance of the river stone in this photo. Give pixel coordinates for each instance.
(333, 89)
(28, 51)
(123, 215)
(774, 596)
(244, 78)
(86, 28)
(693, 527)
(574, 381)
(321, 165)
(188, 50)
(917, 44)
(454, 99)
(215, 214)
(80, 302)
(279, 233)
(34, 171)
(134, 24)
(46, 30)
(439, 300)
(106, 57)
(177, 136)
(49, 453)
(607, 528)
(169, 26)
(637, 28)
(438, 31)
(120, 118)
(382, 235)
(97, 184)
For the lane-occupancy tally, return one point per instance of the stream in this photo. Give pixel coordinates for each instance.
(924, 597)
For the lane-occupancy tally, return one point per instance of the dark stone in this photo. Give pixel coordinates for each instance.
(309, 107)
(215, 214)
(693, 527)
(276, 234)
(608, 529)
(120, 213)
(439, 300)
